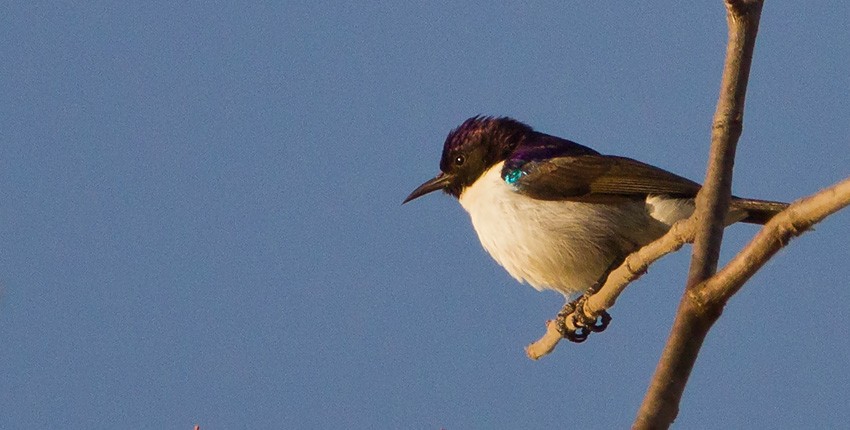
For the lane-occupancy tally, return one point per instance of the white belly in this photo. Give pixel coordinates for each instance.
(564, 246)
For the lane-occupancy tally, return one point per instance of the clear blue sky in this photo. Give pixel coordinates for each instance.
(201, 219)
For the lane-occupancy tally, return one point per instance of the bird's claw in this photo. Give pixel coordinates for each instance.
(581, 326)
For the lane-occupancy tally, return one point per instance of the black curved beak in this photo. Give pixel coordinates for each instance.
(439, 182)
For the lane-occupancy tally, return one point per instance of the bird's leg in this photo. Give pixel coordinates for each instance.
(583, 325)
(575, 310)
(577, 335)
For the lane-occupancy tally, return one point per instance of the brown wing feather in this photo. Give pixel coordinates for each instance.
(594, 177)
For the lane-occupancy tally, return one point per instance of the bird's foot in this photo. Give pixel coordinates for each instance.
(575, 326)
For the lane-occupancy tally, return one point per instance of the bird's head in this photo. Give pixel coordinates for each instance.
(470, 150)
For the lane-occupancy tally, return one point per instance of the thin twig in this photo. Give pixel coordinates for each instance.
(546, 343)
(635, 266)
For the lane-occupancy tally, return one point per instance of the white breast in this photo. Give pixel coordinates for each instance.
(565, 246)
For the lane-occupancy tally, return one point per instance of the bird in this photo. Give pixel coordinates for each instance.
(561, 216)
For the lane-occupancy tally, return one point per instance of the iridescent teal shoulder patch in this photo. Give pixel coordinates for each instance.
(514, 176)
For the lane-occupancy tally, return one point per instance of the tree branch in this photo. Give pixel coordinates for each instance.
(792, 222)
(693, 319)
(712, 203)
(706, 293)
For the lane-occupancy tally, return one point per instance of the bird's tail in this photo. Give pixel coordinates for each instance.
(758, 211)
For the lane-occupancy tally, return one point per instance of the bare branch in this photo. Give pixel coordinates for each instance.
(775, 235)
(635, 266)
(545, 344)
(693, 321)
(794, 221)
(798, 218)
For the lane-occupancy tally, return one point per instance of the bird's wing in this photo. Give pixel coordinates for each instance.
(593, 177)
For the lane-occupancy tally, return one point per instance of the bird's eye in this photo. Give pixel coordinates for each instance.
(459, 160)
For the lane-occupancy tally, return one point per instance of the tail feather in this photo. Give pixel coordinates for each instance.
(758, 211)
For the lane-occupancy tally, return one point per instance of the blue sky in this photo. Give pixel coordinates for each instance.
(201, 217)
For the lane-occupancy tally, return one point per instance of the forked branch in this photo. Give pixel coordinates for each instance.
(792, 222)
